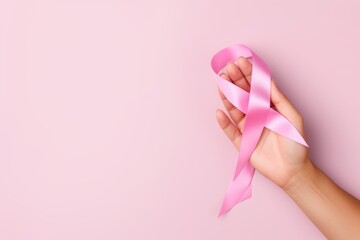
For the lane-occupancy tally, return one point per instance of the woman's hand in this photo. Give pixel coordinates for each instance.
(335, 212)
(276, 157)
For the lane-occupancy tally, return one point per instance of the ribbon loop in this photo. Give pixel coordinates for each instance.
(259, 114)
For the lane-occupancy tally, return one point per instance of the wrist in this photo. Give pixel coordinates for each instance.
(305, 177)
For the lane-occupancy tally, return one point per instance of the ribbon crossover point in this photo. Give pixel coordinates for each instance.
(256, 105)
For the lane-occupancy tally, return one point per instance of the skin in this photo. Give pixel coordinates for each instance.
(286, 163)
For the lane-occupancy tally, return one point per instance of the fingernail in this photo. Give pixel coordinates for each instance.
(241, 60)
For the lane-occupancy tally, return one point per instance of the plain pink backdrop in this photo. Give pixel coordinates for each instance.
(107, 114)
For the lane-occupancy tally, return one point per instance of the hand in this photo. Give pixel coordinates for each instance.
(276, 157)
(335, 212)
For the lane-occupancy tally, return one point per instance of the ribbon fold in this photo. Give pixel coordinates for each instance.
(256, 105)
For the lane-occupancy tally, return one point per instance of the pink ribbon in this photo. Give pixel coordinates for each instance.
(256, 105)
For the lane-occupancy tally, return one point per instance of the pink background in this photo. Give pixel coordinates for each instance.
(107, 114)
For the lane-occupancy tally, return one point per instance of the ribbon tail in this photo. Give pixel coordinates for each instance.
(239, 190)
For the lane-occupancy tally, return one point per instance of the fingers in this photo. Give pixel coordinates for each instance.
(236, 76)
(285, 107)
(235, 114)
(278, 99)
(246, 68)
(240, 74)
(230, 130)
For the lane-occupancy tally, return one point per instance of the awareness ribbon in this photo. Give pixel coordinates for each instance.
(256, 105)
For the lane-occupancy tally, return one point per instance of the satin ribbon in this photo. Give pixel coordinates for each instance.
(256, 105)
